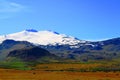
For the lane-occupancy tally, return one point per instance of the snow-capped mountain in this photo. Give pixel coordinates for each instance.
(42, 37)
(60, 45)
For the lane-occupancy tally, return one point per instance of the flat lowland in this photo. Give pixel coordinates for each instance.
(10, 74)
(58, 72)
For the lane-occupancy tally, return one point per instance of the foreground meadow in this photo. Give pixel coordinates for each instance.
(7, 74)
(59, 72)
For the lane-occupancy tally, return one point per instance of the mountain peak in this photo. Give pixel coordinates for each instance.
(53, 32)
(46, 37)
(31, 30)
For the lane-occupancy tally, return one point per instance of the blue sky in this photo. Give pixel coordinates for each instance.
(84, 19)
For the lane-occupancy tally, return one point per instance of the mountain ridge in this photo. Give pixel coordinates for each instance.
(104, 50)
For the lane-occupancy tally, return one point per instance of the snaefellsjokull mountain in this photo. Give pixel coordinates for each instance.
(42, 37)
(59, 47)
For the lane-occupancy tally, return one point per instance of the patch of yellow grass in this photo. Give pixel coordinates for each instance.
(7, 74)
(56, 66)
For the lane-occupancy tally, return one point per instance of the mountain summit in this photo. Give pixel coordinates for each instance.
(31, 30)
(42, 37)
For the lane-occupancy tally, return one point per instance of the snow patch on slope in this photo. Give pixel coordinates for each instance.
(42, 37)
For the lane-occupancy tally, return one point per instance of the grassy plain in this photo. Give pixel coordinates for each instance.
(60, 71)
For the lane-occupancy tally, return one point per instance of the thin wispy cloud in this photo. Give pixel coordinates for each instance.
(8, 8)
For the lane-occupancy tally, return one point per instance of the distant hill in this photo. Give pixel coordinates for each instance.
(22, 55)
(10, 45)
(33, 54)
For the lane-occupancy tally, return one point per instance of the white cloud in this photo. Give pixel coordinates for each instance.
(8, 8)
